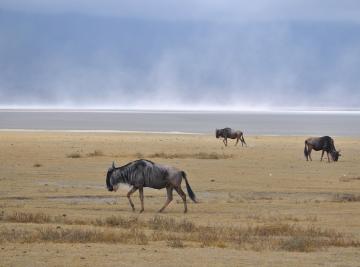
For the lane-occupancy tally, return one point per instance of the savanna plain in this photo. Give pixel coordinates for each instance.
(260, 205)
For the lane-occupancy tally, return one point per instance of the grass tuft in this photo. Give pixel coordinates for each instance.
(299, 243)
(174, 242)
(122, 222)
(74, 155)
(169, 224)
(22, 217)
(139, 155)
(346, 198)
(96, 153)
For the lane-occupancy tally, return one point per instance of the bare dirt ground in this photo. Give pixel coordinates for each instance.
(261, 205)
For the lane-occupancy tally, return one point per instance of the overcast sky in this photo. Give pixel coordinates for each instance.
(180, 54)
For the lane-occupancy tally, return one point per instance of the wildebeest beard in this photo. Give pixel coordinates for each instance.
(108, 184)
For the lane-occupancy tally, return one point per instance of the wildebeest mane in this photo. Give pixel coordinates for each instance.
(127, 174)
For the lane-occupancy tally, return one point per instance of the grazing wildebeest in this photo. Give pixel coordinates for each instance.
(145, 173)
(325, 143)
(232, 134)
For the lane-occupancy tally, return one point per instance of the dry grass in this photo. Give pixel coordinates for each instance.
(96, 153)
(74, 155)
(346, 198)
(117, 221)
(170, 224)
(348, 179)
(280, 219)
(139, 155)
(200, 155)
(41, 218)
(22, 217)
(299, 243)
(175, 242)
(117, 229)
(59, 235)
(163, 155)
(60, 188)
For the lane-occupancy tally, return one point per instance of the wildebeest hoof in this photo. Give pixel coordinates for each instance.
(141, 211)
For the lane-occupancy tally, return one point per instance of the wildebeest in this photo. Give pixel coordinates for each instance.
(145, 173)
(325, 143)
(232, 134)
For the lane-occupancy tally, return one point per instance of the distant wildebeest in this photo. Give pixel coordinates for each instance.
(232, 134)
(145, 173)
(325, 143)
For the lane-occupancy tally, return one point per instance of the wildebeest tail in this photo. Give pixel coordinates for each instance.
(190, 192)
(306, 152)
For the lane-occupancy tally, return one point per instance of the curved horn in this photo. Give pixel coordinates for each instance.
(113, 165)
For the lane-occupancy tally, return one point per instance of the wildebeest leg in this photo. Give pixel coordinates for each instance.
(141, 194)
(225, 141)
(309, 149)
(132, 190)
(169, 190)
(243, 141)
(327, 153)
(322, 154)
(183, 196)
(237, 140)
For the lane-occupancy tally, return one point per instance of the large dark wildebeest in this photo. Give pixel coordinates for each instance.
(232, 134)
(145, 173)
(325, 143)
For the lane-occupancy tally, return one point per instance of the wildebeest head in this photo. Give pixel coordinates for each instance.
(217, 133)
(109, 186)
(335, 155)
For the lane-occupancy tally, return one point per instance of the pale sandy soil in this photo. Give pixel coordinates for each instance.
(267, 183)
